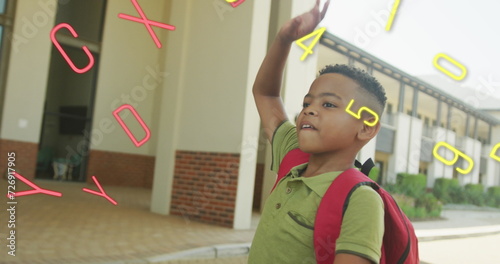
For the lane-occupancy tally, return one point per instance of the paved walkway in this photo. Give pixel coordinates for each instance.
(83, 228)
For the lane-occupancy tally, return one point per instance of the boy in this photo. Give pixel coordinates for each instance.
(333, 138)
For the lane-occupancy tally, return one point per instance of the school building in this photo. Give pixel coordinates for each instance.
(97, 88)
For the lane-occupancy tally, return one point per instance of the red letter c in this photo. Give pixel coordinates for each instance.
(63, 53)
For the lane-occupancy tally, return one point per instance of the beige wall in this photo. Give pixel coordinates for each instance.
(391, 87)
(328, 56)
(214, 84)
(129, 72)
(28, 71)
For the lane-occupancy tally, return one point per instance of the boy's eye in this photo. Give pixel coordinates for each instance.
(329, 105)
(304, 105)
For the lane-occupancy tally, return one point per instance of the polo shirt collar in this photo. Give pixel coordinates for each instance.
(319, 183)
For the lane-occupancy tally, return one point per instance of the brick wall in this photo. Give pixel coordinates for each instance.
(26, 156)
(121, 169)
(204, 186)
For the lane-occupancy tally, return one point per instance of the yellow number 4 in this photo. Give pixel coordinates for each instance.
(358, 115)
(494, 151)
(308, 49)
(455, 158)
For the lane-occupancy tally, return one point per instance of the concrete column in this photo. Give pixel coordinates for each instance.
(475, 128)
(398, 162)
(467, 124)
(438, 114)
(471, 148)
(246, 174)
(490, 130)
(401, 101)
(170, 113)
(493, 166)
(492, 177)
(448, 117)
(438, 169)
(452, 139)
(414, 145)
(414, 106)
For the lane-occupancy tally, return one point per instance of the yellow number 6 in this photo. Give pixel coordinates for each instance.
(457, 154)
(358, 115)
(494, 151)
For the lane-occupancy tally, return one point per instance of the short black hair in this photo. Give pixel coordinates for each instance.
(363, 78)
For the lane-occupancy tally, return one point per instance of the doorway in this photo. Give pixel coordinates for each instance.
(69, 100)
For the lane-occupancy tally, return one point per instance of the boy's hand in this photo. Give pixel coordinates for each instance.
(303, 24)
(267, 85)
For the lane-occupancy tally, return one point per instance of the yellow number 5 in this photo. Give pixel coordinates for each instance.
(358, 115)
(494, 151)
(457, 154)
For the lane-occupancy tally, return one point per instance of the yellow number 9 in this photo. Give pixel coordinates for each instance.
(457, 154)
(358, 115)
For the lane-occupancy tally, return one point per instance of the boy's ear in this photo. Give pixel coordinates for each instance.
(368, 132)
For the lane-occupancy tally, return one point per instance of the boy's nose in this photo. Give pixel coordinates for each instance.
(310, 112)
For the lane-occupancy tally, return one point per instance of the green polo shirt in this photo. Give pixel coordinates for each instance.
(285, 230)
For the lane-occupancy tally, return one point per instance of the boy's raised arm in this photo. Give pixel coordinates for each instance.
(266, 89)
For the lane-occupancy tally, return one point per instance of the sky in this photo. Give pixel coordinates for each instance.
(466, 31)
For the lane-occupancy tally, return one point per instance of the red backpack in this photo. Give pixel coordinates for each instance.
(400, 244)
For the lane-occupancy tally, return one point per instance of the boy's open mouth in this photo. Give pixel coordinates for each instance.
(307, 126)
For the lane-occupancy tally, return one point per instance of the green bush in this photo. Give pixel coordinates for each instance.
(410, 194)
(409, 211)
(442, 189)
(426, 206)
(493, 196)
(435, 214)
(403, 200)
(413, 185)
(456, 192)
(475, 194)
(374, 174)
(420, 213)
(429, 202)
(392, 188)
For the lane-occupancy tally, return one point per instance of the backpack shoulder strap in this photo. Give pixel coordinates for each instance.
(293, 158)
(331, 210)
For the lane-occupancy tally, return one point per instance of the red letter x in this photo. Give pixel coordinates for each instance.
(146, 22)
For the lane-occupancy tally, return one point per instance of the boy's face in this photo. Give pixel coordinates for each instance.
(323, 125)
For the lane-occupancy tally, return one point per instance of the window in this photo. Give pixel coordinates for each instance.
(2, 6)
(426, 121)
